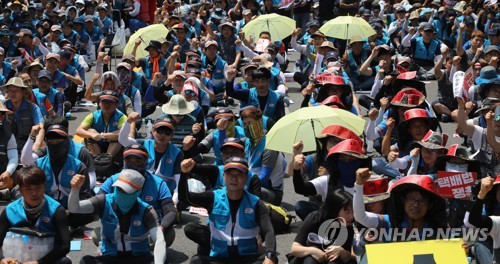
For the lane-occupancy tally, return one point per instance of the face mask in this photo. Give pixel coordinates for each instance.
(141, 169)
(254, 131)
(348, 172)
(195, 104)
(124, 77)
(125, 201)
(230, 128)
(456, 167)
(59, 151)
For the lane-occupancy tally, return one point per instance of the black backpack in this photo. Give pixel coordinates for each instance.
(280, 219)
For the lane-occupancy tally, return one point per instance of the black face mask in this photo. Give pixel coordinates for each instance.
(58, 152)
(141, 169)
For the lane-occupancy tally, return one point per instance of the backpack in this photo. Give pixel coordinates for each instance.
(280, 219)
(104, 166)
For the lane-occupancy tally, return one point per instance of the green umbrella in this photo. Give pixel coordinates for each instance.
(146, 34)
(278, 26)
(345, 27)
(306, 123)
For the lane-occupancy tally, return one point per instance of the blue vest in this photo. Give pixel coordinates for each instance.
(148, 71)
(166, 166)
(272, 99)
(70, 168)
(150, 192)
(75, 148)
(6, 67)
(254, 154)
(239, 133)
(274, 81)
(354, 65)
(40, 101)
(99, 124)
(57, 78)
(136, 240)
(17, 216)
(422, 52)
(244, 231)
(51, 95)
(137, 81)
(217, 76)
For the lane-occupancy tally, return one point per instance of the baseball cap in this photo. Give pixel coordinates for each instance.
(246, 12)
(233, 142)
(164, 122)
(58, 129)
(129, 181)
(56, 28)
(236, 163)
(109, 95)
(53, 56)
(128, 57)
(210, 43)
(89, 18)
(136, 150)
(125, 65)
(491, 48)
(332, 55)
(44, 74)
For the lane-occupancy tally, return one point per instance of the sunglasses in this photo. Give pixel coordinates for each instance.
(164, 131)
(190, 93)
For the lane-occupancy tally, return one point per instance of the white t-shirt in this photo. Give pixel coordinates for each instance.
(321, 185)
(477, 137)
(495, 231)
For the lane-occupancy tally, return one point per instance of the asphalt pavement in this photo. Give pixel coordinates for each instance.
(183, 249)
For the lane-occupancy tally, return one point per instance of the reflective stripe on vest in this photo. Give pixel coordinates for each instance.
(136, 240)
(242, 233)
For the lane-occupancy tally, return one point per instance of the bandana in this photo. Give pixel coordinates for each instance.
(156, 64)
(125, 78)
(255, 132)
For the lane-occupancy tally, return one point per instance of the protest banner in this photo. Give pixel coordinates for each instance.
(455, 184)
(429, 251)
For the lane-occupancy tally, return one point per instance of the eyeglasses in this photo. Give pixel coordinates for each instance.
(414, 201)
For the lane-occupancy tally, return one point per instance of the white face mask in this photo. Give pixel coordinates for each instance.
(456, 167)
(195, 103)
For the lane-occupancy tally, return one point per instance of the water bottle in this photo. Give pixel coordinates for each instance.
(142, 131)
(8, 244)
(18, 247)
(149, 128)
(27, 249)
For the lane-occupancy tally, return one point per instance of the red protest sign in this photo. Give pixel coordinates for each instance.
(455, 184)
(468, 80)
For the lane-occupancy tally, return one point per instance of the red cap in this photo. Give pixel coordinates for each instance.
(333, 101)
(408, 97)
(340, 132)
(416, 113)
(423, 181)
(407, 75)
(349, 147)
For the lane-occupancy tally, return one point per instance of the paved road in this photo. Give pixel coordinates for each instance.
(183, 249)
